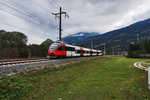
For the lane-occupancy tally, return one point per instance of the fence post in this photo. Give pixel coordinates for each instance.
(149, 77)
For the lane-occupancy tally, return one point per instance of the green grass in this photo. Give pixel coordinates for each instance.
(13, 88)
(98, 79)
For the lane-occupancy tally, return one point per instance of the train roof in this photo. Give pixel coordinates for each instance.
(77, 47)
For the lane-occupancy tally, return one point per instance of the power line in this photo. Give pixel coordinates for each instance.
(19, 17)
(52, 4)
(28, 14)
(18, 27)
(56, 3)
(64, 32)
(41, 6)
(17, 10)
(22, 11)
(66, 23)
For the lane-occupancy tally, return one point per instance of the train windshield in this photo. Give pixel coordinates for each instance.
(54, 46)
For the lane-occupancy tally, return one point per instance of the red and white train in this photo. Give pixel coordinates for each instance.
(61, 49)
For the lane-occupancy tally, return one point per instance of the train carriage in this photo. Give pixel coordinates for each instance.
(60, 49)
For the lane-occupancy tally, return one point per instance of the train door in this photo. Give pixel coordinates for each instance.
(70, 51)
(81, 51)
(91, 52)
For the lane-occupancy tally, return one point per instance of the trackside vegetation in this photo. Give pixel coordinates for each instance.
(97, 79)
(12, 88)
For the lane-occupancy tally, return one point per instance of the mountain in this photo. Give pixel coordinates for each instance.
(119, 40)
(78, 37)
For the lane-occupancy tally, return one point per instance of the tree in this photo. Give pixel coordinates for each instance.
(45, 46)
(133, 50)
(40, 50)
(14, 39)
(13, 44)
(147, 46)
(35, 50)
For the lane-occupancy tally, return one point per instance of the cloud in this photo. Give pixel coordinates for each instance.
(85, 15)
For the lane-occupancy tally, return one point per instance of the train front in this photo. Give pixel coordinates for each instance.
(52, 49)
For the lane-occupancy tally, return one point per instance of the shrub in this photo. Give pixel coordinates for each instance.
(13, 88)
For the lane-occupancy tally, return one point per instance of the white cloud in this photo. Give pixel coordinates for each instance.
(85, 15)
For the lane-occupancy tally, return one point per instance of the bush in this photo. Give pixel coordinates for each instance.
(13, 88)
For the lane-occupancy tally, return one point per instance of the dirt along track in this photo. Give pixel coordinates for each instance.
(11, 66)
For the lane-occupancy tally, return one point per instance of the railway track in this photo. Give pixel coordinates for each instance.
(16, 65)
(20, 61)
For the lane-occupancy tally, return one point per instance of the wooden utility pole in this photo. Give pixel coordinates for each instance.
(59, 15)
(60, 24)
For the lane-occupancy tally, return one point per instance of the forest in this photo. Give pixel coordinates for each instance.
(137, 50)
(14, 45)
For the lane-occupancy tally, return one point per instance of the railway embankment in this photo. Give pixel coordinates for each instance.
(17, 66)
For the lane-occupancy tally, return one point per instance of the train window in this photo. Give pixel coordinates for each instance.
(53, 47)
(70, 49)
(62, 48)
(67, 49)
(59, 49)
(82, 51)
(73, 49)
(78, 51)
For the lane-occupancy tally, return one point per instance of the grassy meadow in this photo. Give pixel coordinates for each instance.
(97, 79)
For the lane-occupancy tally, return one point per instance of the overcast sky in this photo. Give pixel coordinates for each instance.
(34, 18)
